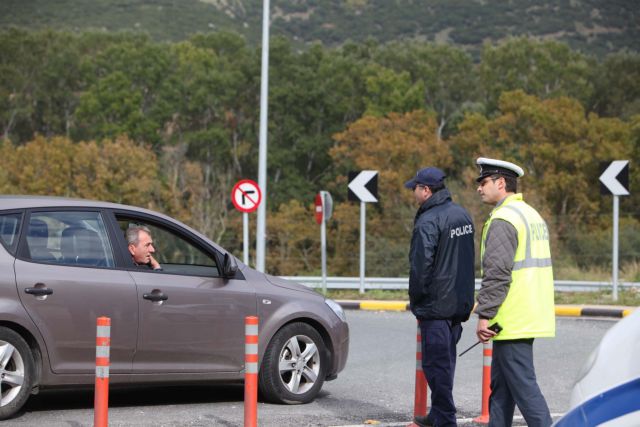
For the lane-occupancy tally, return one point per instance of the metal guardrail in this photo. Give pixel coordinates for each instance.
(400, 283)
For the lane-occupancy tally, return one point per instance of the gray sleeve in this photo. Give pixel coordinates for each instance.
(497, 265)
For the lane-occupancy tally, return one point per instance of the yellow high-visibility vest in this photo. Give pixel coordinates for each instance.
(528, 311)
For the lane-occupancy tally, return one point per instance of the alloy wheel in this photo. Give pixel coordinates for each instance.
(12, 372)
(299, 364)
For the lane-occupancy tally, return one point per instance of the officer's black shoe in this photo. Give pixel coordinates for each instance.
(423, 421)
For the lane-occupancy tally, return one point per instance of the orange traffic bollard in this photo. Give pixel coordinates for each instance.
(101, 399)
(251, 371)
(487, 356)
(420, 395)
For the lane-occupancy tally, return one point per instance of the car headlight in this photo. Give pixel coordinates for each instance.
(337, 309)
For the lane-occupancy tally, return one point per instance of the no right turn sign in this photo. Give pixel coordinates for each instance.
(246, 196)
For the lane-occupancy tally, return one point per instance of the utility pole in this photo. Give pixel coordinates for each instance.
(262, 152)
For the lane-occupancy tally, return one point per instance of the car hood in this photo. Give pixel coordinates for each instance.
(288, 284)
(614, 361)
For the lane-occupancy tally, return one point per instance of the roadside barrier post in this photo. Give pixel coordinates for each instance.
(487, 356)
(101, 398)
(251, 371)
(420, 401)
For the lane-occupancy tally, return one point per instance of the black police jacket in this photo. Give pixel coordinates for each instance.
(442, 280)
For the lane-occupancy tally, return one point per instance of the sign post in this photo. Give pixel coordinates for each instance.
(245, 238)
(246, 197)
(615, 180)
(324, 209)
(363, 232)
(363, 187)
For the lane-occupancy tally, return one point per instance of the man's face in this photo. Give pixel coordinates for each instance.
(491, 190)
(141, 253)
(421, 193)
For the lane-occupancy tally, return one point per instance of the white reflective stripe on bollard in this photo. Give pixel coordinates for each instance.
(102, 372)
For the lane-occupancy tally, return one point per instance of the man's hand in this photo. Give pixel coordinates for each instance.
(155, 265)
(483, 333)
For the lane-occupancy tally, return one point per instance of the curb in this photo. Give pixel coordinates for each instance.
(561, 310)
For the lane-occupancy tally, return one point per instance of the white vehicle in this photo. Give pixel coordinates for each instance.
(607, 392)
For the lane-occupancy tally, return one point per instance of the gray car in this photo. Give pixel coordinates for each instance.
(65, 262)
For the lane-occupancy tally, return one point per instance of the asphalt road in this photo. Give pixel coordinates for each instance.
(377, 384)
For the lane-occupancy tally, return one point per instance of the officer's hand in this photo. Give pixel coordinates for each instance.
(483, 332)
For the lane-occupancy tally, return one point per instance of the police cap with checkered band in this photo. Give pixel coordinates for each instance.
(489, 167)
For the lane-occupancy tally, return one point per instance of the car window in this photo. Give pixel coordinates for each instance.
(70, 238)
(9, 230)
(174, 252)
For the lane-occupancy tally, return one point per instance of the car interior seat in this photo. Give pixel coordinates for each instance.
(38, 240)
(81, 246)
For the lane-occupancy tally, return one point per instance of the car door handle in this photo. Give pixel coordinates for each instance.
(155, 296)
(39, 292)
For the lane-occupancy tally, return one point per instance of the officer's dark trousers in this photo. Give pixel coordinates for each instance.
(439, 339)
(513, 382)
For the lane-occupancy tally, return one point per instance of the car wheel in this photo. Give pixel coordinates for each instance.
(16, 372)
(294, 365)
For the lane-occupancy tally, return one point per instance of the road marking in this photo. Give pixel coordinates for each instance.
(383, 305)
(568, 311)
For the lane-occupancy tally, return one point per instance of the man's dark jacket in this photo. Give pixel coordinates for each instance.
(442, 281)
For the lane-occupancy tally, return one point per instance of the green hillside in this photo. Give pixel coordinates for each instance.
(592, 26)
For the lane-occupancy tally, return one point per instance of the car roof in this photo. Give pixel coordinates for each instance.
(26, 202)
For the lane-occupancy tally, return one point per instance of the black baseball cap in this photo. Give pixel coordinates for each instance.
(427, 176)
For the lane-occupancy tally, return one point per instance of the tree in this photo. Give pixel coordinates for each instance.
(293, 240)
(123, 93)
(208, 137)
(389, 91)
(618, 89)
(544, 69)
(119, 171)
(558, 145)
(446, 76)
(39, 75)
(312, 95)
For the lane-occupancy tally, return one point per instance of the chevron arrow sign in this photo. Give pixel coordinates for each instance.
(363, 186)
(615, 178)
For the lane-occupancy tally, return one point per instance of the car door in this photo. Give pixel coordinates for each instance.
(66, 278)
(191, 319)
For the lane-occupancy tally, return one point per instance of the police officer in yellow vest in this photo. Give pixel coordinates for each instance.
(516, 292)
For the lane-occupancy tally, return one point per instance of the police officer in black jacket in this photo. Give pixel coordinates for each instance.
(441, 286)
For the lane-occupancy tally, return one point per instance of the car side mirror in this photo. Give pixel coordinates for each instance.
(229, 266)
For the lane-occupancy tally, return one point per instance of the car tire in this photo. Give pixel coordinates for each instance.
(17, 372)
(294, 365)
